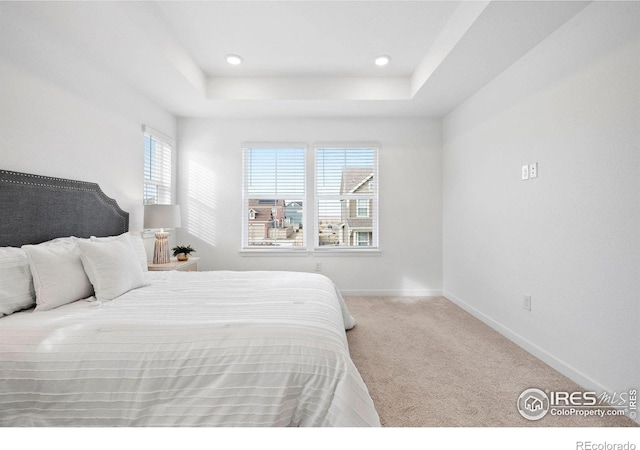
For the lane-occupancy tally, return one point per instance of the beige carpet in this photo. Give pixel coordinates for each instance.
(428, 363)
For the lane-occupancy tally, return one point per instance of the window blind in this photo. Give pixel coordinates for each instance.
(274, 186)
(157, 168)
(346, 198)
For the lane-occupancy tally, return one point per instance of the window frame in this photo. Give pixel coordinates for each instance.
(245, 248)
(367, 208)
(374, 201)
(360, 233)
(166, 163)
(310, 222)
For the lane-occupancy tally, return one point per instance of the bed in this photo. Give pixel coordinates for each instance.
(215, 348)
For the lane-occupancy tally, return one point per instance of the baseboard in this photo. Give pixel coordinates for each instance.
(394, 292)
(567, 370)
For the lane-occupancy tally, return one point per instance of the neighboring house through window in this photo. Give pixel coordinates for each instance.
(158, 151)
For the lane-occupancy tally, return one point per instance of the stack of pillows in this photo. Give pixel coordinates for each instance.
(65, 270)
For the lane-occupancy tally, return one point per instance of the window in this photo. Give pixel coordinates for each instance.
(346, 197)
(157, 168)
(363, 238)
(363, 207)
(273, 197)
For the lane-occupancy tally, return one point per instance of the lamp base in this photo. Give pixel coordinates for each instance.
(161, 248)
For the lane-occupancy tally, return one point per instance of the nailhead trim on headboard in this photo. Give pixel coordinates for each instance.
(31, 215)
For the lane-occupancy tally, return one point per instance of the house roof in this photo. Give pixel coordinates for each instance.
(359, 222)
(353, 178)
(253, 203)
(262, 209)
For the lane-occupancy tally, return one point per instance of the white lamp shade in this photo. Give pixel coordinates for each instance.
(161, 216)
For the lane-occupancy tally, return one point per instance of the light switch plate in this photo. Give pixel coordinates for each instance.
(525, 172)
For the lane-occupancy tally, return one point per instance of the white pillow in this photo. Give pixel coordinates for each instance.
(138, 246)
(16, 283)
(58, 274)
(112, 266)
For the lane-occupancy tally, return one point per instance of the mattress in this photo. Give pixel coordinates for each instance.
(188, 349)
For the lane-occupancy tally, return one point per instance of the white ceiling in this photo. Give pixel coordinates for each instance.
(307, 38)
(301, 58)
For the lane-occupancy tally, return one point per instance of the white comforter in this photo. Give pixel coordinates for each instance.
(188, 349)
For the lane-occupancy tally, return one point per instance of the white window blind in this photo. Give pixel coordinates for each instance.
(346, 198)
(157, 167)
(273, 197)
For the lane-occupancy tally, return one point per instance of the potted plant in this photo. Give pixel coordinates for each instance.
(182, 253)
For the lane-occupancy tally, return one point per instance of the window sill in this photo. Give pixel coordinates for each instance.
(273, 252)
(346, 252)
(315, 252)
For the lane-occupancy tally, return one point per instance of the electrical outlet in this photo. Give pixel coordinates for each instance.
(533, 170)
(318, 267)
(526, 302)
(525, 172)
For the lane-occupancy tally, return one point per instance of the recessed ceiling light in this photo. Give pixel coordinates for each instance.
(234, 59)
(382, 60)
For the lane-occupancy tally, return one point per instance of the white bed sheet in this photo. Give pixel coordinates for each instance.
(188, 349)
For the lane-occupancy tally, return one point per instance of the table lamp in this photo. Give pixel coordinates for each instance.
(161, 217)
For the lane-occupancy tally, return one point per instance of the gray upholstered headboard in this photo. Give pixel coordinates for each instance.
(36, 208)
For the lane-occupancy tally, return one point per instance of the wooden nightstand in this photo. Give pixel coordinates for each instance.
(184, 266)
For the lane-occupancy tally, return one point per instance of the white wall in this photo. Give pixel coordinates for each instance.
(210, 186)
(571, 237)
(66, 118)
